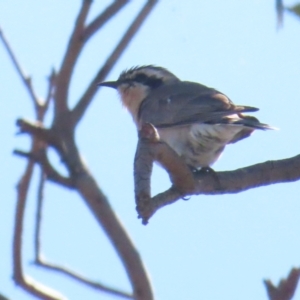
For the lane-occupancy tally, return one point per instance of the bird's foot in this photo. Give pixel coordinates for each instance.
(208, 171)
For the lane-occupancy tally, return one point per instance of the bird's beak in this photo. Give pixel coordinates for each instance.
(111, 84)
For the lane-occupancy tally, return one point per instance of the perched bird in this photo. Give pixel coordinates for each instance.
(193, 119)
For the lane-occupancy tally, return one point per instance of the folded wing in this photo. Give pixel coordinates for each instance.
(188, 103)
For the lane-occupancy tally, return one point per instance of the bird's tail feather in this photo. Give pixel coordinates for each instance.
(252, 122)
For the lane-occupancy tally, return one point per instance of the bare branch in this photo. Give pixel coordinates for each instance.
(38, 218)
(24, 281)
(38, 256)
(101, 19)
(230, 182)
(72, 53)
(61, 137)
(98, 203)
(89, 190)
(205, 183)
(286, 287)
(37, 129)
(96, 285)
(280, 10)
(3, 297)
(41, 158)
(50, 92)
(90, 92)
(25, 78)
(150, 149)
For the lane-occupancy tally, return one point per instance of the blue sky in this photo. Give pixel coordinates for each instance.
(210, 247)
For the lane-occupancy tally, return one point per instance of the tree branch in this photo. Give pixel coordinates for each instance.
(230, 182)
(81, 279)
(25, 78)
(98, 203)
(51, 86)
(3, 297)
(31, 286)
(41, 158)
(72, 53)
(286, 287)
(27, 283)
(150, 149)
(101, 19)
(90, 92)
(37, 129)
(38, 217)
(61, 137)
(42, 263)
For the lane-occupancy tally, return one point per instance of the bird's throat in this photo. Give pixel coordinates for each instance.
(131, 98)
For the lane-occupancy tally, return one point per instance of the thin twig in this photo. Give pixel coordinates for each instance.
(38, 256)
(101, 19)
(27, 283)
(30, 285)
(96, 285)
(72, 53)
(90, 92)
(25, 78)
(50, 92)
(38, 217)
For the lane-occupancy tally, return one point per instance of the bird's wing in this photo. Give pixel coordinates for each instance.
(186, 103)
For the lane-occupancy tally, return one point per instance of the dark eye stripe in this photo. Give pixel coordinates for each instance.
(151, 81)
(142, 78)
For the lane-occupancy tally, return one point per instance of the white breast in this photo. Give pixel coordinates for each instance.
(200, 145)
(132, 97)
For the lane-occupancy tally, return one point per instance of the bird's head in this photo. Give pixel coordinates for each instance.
(135, 84)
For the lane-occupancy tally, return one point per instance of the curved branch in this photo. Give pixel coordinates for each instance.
(98, 203)
(87, 187)
(42, 263)
(230, 182)
(27, 283)
(205, 183)
(61, 137)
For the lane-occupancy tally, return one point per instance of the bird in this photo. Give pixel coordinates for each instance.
(196, 121)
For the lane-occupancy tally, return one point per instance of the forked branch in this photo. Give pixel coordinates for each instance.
(92, 88)
(286, 287)
(41, 262)
(150, 149)
(102, 18)
(27, 283)
(61, 137)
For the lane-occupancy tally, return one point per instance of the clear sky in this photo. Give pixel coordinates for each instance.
(210, 247)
